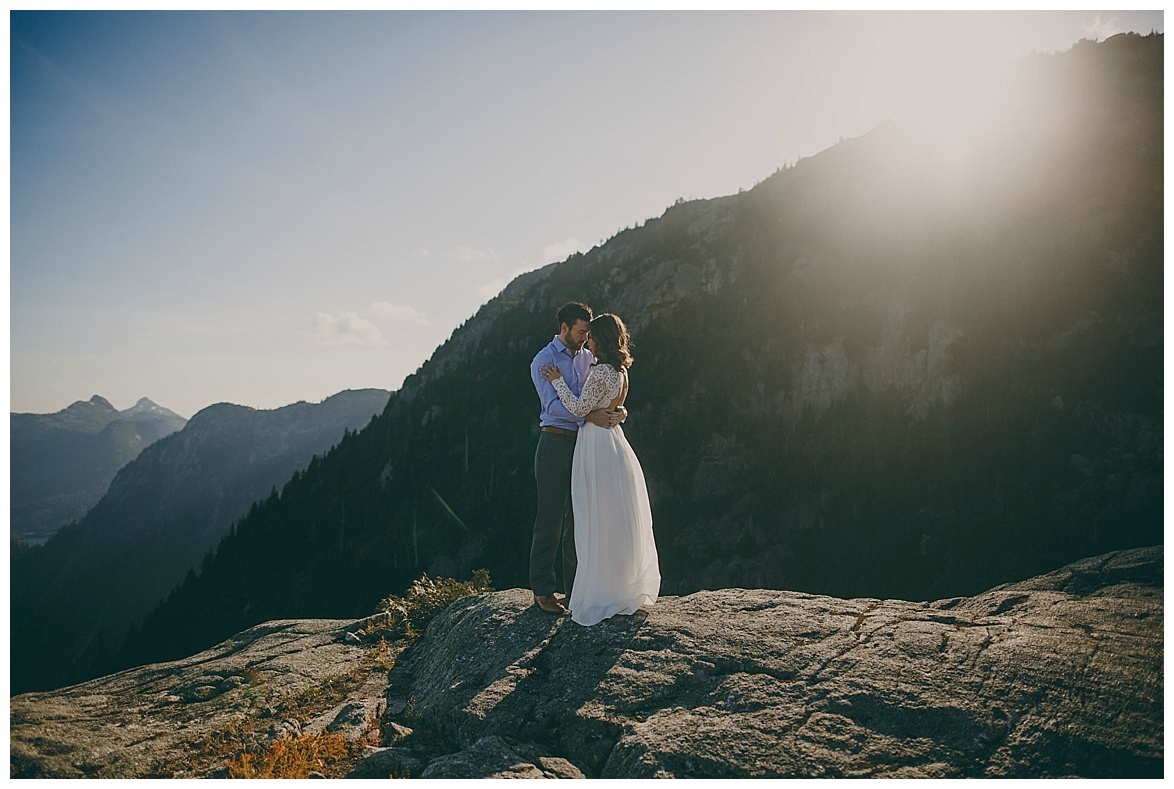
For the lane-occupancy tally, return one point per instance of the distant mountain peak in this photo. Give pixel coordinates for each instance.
(145, 407)
(102, 401)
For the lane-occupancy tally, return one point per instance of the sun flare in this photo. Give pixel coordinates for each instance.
(951, 87)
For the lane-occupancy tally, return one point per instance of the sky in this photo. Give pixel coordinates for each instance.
(267, 207)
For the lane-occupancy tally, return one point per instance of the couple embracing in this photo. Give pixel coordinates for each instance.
(608, 553)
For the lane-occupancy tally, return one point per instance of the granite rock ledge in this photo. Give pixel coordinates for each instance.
(155, 721)
(1059, 675)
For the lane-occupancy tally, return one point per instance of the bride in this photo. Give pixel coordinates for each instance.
(618, 570)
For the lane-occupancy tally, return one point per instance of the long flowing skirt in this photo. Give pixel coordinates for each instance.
(618, 569)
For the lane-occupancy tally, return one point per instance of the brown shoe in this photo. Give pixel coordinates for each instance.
(550, 604)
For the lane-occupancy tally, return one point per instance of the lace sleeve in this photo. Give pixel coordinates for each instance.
(596, 391)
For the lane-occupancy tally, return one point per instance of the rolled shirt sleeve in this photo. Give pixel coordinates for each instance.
(554, 413)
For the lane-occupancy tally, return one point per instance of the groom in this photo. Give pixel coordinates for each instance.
(556, 448)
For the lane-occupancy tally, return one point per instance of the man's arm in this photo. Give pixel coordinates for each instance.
(546, 394)
(601, 417)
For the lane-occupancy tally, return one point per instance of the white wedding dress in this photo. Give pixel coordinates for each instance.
(618, 568)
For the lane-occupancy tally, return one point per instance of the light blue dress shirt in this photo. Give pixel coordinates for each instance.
(576, 367)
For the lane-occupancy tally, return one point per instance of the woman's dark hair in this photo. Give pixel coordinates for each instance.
(612, 341)
(572, 312)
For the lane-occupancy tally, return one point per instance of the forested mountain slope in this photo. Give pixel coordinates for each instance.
(910, 366)
(74, 599)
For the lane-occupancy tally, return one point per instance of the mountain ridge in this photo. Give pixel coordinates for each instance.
(63, 462)
(161, 515)
(146, 406)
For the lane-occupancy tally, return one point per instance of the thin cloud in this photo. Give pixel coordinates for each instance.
(387, 311)
(470, 254)
(1099, 29)
(561, 250)
(348, 327)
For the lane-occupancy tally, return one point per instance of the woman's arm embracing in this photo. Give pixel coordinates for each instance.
(595, 391)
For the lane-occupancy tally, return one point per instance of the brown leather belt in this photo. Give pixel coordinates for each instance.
(559, 431)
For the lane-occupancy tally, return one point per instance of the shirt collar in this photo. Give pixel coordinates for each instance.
(560, 346)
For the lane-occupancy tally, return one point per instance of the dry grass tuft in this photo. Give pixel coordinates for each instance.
(400, 620)
(294, 757)
(381, 656)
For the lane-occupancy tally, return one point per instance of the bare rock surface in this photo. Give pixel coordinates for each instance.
(1060, 675)
(153, 721)
(496, 757)
(387, 763)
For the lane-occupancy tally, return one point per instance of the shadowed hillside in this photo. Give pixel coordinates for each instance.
(73, 600)
(62, 463)
(908, 367)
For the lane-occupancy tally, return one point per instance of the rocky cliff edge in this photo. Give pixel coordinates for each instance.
(1060, 675)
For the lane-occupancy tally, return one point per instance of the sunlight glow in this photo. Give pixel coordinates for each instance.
(950, 87)
(956, 105)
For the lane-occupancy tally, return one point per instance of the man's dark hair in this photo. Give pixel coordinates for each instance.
(571, 312)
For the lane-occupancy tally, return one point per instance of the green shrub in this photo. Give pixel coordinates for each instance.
(407, 616)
